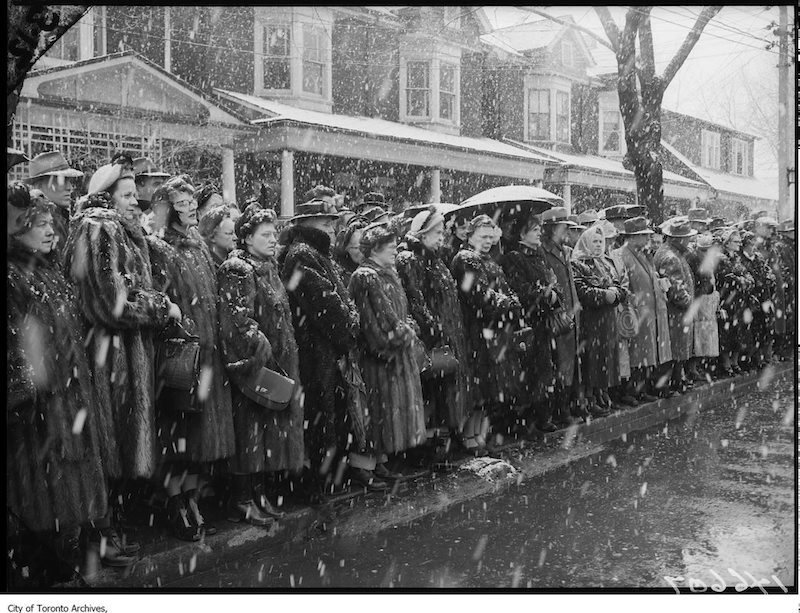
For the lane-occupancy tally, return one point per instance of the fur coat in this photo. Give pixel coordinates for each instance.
(107, 259)
(256, 330)
(184, 269)
(670, 261)
(762, 295)
(54, 474)
(388, 361)
(776, 319)
(491, 312)
(326, 326)
(529, 275)
(433, 302)
(736, 284)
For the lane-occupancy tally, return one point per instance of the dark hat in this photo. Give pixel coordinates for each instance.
(574, 224)
(252, 217)
(374, 199)
(678, 228)
(14, 157)
(374, 213)
(587, 218)
(557, 214)
(52, 163)
(716, 223)
(315, 208)
(787, 225)
(205, 191)
(146, 168)
(635, 225)
(318, 191)
(699, 215)
(375, 236)
(623, 211)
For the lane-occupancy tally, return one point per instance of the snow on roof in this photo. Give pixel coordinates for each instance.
(600, 164)
(526, 36)
(277, 111)
(752, 187)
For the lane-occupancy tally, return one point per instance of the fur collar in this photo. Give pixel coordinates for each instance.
(311, 236)
(414, 245)
(24, 257)
(260, 267)
(178, 238)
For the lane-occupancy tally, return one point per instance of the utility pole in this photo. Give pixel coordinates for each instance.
(784, 148)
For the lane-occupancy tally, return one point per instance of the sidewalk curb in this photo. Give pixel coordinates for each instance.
(432, 494)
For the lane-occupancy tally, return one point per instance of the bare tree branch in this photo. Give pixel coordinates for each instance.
(688, 44)
(609, 25)
(646, 48)
(570, 24)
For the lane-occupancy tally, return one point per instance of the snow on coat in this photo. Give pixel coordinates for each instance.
(671, 263)
(108, 260)
(388, 361)
(54, 474)
(735, 284)
(184, 269)
(706, 296)
(433, 302)
(255, 331)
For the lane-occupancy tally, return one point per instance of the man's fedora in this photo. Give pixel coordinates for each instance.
(144, 167)
(623, 211)
(678, 228)
(315, 208)
(635, 225)
(698, 215)
(555, 215)
(52, 163)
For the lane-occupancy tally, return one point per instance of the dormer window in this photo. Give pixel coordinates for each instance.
(710, 149)
(547, 109)
(739, 157)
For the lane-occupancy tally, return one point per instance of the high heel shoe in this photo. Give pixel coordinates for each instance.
(197, 519)
(180, 525)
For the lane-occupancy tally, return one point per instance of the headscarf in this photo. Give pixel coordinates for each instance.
(583, 248)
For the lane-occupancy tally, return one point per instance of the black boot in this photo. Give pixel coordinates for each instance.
(180, 524)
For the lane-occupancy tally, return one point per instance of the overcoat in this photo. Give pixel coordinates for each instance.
(256, 321)
(599, 319)
(108, 260)
(651, 346)
(491, 312)
(388, 362)
(433, 303)
(567, 344)
(787, 253)
(54, 476)
(735, 284)
(771, 256)
(184, 269)
(529, 275)
(326, 327)
(706, 297)
(670, 262)
(762, 295)
(624, 358)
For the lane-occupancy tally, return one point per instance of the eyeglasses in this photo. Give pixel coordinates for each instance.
(187, 202)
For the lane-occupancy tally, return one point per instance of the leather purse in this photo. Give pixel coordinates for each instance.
(560, 322)
(269, 389)
(442, 362)
(177, 370)
(627, 321)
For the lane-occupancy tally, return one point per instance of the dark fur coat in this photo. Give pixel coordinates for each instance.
(54, 475)
(108, 260)
(670, 262)
(184, 269)
(256, 330)
(433, 303)
(735, 283)
(326, 327)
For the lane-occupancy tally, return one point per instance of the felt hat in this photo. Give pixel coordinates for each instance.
(678, 228)
(557, 214)
(698, 215)
(787, 225)
(145, 167)
(588, 217)
(635, 225)
(52, 163)
(315, 208)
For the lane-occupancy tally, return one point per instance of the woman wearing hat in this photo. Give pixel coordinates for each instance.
(208, 196)
(197, 429)
(256, 331)
(433, 302)
(54, 477)
(216, 228)
(761, 303)
(107, 257)
(491, 312)
(347, 251)
(600, 290)
(389, 363)
(531, 277)
(735, 284)
(703, 261)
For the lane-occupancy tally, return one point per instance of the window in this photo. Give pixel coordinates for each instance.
(710, 149)
(68, 46)
(539, 114)
(418, 89)
(447, 92)
(314, 60)
(739, 159)
(277, 53)
(567, 55)
(610, 132)
(562, 117)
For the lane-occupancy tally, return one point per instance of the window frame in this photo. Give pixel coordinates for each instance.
(743, 145)
(453, 94)
(603, 134)
(546, 114)
(427, 89)
(710, 143)
(318, 34)
(567, 45)
(568, 131)
(267, 57)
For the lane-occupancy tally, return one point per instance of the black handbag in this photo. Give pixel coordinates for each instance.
(269, 389)
(177, 370)
(442, 362)
(560, 322)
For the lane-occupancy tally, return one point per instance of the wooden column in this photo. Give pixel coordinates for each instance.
(568, 198)
(228, 176)
(436, 185)
(287, 183)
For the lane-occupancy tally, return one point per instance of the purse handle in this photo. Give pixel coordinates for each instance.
(179, 332)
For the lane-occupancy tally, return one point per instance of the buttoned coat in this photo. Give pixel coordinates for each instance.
(670, 262)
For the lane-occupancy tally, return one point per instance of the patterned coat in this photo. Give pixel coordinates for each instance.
(184, 269)
(491, 312)
(256, 321)
(735, 284)
(108, 260)
(388, 360)
(529, 274)
(599, 319)
(567, 344)
(326, 327)
(671, 262)
(433, 302)
(54, 476)
(651, 346)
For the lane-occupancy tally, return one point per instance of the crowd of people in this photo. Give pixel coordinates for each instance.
(401, 339)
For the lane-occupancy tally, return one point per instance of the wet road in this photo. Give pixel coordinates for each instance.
(711, 492)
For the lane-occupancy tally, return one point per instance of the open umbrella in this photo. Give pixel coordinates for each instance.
(512, 202)
(445, 208)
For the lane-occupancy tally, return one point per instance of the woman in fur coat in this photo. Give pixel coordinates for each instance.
(107, 259)
(433, 302)
(491, 312)
(389, 363)
(735, 284)
(194, 430)
(347, 249)
(256, 330)
(54, 476)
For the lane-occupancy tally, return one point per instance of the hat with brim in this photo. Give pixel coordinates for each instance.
(704, 241)
(557, 214)
(623, 211)
(698, 215)
(14, 157)
(574, 224)
(144, 167)
(52, 163)
(634, 226)
(315, 209)
(373, 199)
(587, 218)
(678, 228)
(767, 221)
(787, 225)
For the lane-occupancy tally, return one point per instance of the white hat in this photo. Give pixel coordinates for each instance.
(104, 177)
(425, 221)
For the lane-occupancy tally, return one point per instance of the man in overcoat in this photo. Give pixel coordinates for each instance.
(650, 347)
(670, 262)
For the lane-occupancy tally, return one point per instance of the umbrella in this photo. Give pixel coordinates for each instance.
(512, 201)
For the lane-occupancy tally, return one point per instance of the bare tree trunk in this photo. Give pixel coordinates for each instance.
(32, 30)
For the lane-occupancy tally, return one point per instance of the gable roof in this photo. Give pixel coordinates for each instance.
(713, 124)
(539, 34)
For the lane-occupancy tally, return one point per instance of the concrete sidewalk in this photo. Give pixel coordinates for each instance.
(361, 513)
